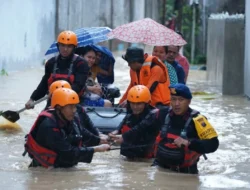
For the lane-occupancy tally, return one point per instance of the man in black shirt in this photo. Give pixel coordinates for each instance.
(138, 130)
(185, 134)
(57, 137)
(66, 66)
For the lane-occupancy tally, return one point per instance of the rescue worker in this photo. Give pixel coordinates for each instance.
(185, 134)
(56, 137)
(66, 66)
(138, 131)
(93, 136)
(149, 71)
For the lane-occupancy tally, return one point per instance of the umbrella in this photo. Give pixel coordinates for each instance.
(148, 32)
(85, 36)
(105, 51)
(106, 59)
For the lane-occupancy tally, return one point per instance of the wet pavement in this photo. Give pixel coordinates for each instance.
(227, 168)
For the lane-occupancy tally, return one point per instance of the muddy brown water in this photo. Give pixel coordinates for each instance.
(227, 168)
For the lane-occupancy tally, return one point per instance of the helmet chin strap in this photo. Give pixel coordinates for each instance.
(73, 51)
(59, 113)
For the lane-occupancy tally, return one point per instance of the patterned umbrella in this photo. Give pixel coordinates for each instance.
(85, 36)
(147, 31)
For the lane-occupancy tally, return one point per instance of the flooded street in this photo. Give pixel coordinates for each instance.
(227, 168)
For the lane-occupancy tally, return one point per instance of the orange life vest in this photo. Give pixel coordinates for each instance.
(44, 156)
(161, 94)
(169, 153)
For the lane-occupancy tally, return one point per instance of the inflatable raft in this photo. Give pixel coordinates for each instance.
(106, 119)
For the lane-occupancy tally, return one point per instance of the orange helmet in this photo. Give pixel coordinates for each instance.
(67, 38)
(63, 97)
(139, 93)
(58, 84)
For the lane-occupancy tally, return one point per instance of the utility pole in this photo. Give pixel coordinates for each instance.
(111, 21)
(204, 23)
(194, 5)
(179, 18)
(57, 19)
(163, 12)
(131, 11)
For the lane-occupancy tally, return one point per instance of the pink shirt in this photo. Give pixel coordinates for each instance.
(182, 60)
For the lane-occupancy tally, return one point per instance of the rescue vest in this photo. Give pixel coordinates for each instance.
(44, 156)
(57, 76)
(167, 153)
(125, 128)
(161, 94)
(150, 153)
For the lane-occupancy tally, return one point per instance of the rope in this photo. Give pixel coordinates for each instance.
(103, 116)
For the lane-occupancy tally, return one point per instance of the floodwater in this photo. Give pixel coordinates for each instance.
(227, 168)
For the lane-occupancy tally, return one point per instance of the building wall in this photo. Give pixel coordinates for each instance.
(27, 30)
(208, 7)
(112, 13)
(233, 71)
(215, 51)
(247, 50)
(27, 34)
(225, 54)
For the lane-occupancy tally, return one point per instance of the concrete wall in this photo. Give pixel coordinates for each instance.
(27, 30)
(29, 27)
(247, 50)
(84, 13)
(153, 8)
(233, 70)
(112, 13)
(215, 51)
(138, 9)
(225, 54)
(207, 7)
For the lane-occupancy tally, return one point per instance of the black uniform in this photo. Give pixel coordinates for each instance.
(86, 121)
(176, 126)
(80, 71)
(140, 139)
(64, 138)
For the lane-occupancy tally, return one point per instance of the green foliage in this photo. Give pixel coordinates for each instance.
(187, 21)
(200, 59)
(3, 72)
(169, 7)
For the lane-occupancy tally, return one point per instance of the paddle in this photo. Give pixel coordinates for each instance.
(13, 116)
